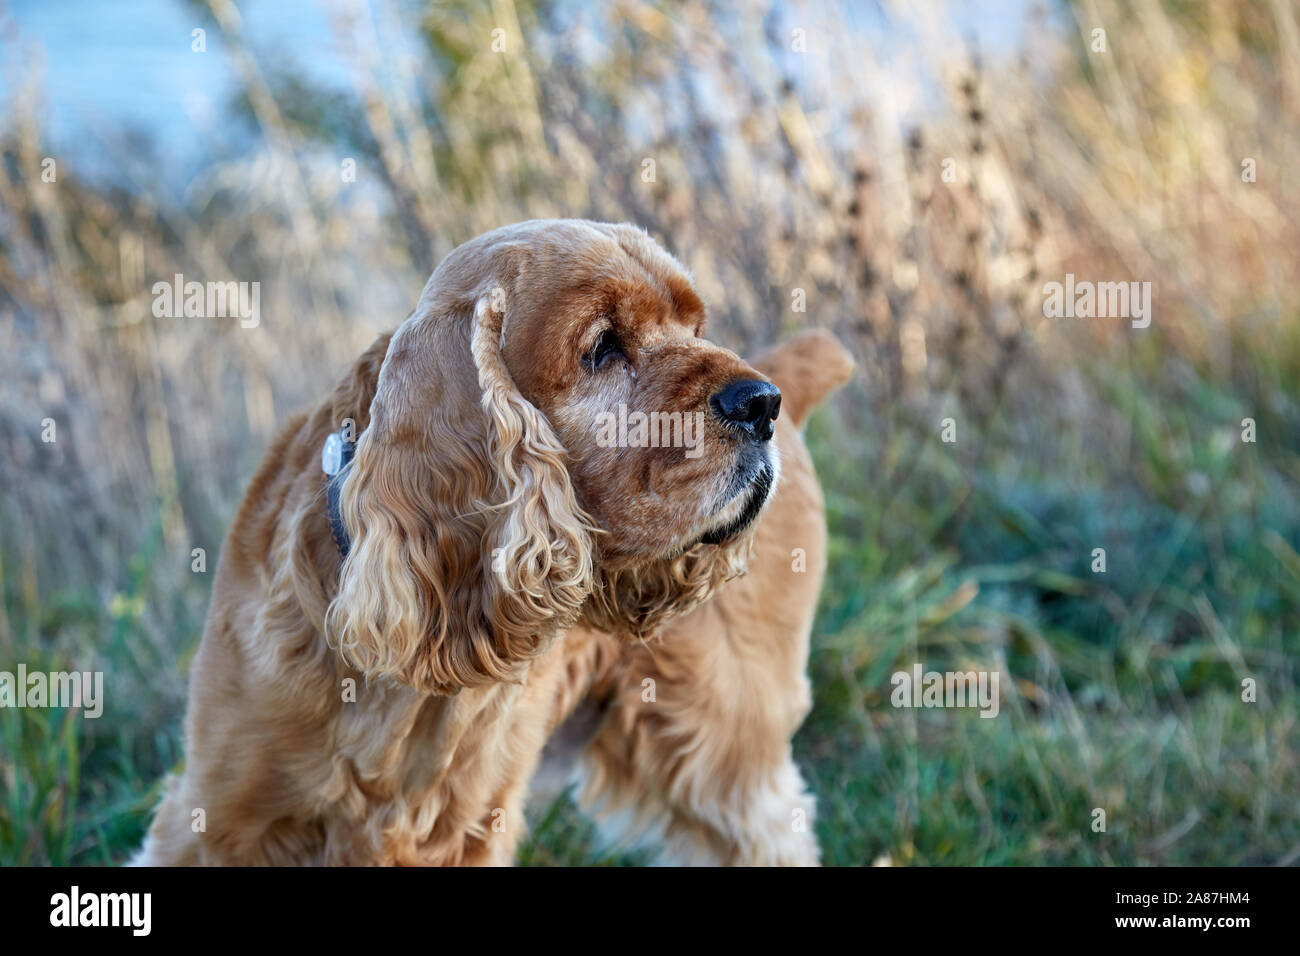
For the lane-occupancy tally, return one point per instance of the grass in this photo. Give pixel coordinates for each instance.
(1127, 686)
(1122, 691)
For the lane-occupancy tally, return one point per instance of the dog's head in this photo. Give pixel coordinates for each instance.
(551, 439)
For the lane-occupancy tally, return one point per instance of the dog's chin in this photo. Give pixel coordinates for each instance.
(756, 496)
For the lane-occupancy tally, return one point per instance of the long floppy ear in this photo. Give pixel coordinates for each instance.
(469, 551)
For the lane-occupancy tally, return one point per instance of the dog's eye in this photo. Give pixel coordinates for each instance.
(606, 347)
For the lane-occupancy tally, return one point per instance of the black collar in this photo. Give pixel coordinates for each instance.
(335, 458)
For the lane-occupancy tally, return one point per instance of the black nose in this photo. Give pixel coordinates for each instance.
(750, 404)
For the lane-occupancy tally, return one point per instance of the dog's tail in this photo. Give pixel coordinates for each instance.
(806, 369)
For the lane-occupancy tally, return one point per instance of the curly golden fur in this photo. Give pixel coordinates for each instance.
(507, 569)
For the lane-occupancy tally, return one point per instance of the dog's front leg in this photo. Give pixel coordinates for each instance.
(693, 757)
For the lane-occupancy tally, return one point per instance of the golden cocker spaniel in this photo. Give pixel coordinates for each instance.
(532, 498)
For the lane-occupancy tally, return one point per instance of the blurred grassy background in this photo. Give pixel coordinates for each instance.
(775, 171)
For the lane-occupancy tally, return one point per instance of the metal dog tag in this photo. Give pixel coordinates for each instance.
(331, 456)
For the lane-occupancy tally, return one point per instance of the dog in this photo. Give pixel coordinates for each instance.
(448, 562)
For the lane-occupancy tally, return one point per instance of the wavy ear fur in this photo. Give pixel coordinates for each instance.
(469, 550)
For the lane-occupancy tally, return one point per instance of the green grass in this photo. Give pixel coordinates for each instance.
(1127, 692)
(1120, 691)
